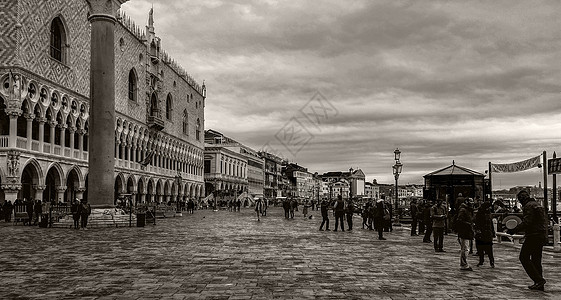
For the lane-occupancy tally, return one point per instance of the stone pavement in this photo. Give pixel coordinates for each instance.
(228, 255)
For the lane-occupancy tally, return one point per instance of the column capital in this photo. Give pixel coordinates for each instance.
(39, 187)
(29, 117)
(52, 123)
(72, 129)
(42, 120)
(81, 131)
(104, 9)
(60, 188)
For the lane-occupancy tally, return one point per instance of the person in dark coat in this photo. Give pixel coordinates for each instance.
(286, 207)
(8, 211)
(85, 210)
(324, 215)
(413, 211)
(379, 216)
(350, 211)
(29, 209)
(366, 215)
(339, 213)
(75, 213)
(420, 208)
(484, 233)
(37, 212)
(464, 227)
(534, 225)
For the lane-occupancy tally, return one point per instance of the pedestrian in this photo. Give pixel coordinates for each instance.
(75, 213)
(305, 208)
(85, 210)
(286, 207)
(380, 215)
(420, 219)
(484, 233)
(428, 222)
(438, 216)
(37, 212)
(265, 206)
(339, 210)
(534, 225)
(293, 207)
(413, 211)
(365, 215)
(258, 208)
(324, 215)
(350, 211)
(8, 211)
(29, 204)
(464, 228)
(388, 227)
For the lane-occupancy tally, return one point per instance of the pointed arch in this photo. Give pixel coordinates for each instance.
(58, 39)
(133, 85)
(169, 106)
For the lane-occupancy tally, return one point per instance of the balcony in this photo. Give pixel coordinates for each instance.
(155, 122)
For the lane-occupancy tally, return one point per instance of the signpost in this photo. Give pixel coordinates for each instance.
(554, 168)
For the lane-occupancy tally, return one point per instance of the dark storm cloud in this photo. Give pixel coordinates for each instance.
(466, 80)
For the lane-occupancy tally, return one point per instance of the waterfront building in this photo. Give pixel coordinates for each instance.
(232, 170)
(45, 108)
(355, 179)
(273, 165)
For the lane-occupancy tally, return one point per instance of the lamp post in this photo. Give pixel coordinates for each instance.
(396, 171)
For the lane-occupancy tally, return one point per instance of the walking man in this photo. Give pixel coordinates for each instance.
(438, 215)
(464, 227)
(85, 210)
(350, 211)
(324, 215)
(534, 226)
(428, 222)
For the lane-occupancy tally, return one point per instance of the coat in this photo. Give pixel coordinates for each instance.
(484, 230)
(438, 216)
(464, 225)
(533, 223)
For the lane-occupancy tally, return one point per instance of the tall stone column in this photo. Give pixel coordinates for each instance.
(39, 189)
(102, 98)
(52, 141)
(29, 118)
(13, 128)
(41, 132)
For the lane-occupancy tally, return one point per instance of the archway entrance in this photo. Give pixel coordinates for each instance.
(72, 184)
(52, 181)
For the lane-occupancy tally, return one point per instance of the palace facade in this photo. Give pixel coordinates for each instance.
(44, 108)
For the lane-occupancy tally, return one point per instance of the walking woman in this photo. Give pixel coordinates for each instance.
(484, 233)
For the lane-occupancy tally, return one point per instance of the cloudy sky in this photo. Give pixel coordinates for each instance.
(334, 84)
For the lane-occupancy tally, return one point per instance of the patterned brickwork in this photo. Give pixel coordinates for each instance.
(8, 31)
(36, 17)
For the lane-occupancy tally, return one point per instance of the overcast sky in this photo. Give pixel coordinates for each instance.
(469, 81)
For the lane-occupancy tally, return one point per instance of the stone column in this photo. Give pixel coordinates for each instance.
(81, 142)
(60, 190)
(13, 129)
(62, 139)
(102, 99)
(80, 193)
(72, 131)
(41, 132)
(39, 191)
(52, 141)
(29, 118)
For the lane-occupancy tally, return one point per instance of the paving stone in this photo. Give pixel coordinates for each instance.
(229, 255)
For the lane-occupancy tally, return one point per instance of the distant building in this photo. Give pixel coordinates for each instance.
(354, 179)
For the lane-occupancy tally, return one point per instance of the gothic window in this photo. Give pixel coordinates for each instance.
(168, 107)
(132, 85)
(198, 132)
(185, 122)
(154, 105)
(58, 39)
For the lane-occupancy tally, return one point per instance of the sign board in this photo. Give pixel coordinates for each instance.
(554, 166)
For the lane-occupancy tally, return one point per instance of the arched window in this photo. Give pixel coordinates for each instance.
(132, 85)
(168, 107)
(198, 132)
(185, 122)
(58, 39)
(154, 105)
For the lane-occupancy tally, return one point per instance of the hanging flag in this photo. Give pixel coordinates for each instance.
(517, 166)
(554, 166)
(147, 159)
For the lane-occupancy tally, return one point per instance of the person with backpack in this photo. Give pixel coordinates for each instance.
(484, 233)
(84, 210)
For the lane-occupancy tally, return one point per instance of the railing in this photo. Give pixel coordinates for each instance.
(21, 142)
(46, 148)
(76, 154)
(4, 141)
(67, 152)
(35, 145)
(85, 155)
(57, 150)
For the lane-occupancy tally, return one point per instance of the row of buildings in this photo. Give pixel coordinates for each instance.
(233, 170)
(162, 151)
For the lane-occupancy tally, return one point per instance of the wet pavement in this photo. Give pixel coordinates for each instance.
(230, 255)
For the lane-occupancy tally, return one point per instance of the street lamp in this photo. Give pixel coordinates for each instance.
(396, 171)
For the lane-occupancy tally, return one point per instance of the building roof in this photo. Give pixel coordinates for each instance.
(454, 170)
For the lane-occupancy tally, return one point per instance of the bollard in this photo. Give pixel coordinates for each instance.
(556, 238)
